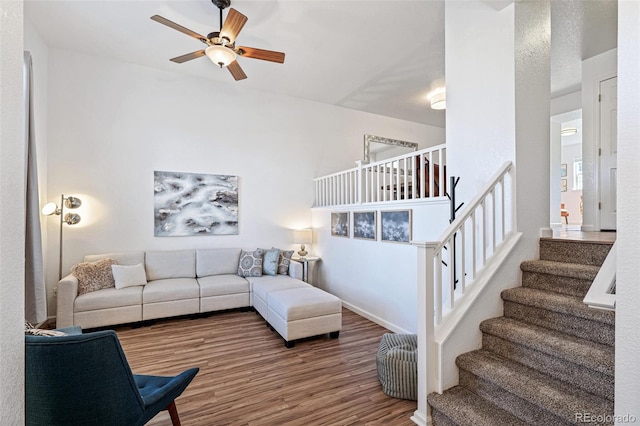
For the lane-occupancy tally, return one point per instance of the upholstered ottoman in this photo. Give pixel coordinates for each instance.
(262, 286)
(304, 312)
(398, 365)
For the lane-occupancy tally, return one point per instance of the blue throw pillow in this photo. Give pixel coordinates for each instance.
(270, 263)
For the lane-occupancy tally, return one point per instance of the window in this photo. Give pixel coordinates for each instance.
(577, 174)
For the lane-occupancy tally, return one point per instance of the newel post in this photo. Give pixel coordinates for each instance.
(426, 345)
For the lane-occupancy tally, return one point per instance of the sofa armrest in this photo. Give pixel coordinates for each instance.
(295, 269)
(66, 296)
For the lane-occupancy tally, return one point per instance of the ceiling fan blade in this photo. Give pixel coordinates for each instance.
(179, 27)
(232, 25)
(187, 57)
(265, 55)
(236, 71)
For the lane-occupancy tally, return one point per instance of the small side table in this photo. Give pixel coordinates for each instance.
(305, 264)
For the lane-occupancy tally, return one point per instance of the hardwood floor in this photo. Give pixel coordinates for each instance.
(573, 232)
(248, 377)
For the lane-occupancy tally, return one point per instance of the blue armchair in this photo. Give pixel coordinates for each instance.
(85, 379)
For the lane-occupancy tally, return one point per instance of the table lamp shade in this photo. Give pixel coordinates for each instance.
(302, 236)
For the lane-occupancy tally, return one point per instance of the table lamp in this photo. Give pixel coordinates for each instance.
(302, 237)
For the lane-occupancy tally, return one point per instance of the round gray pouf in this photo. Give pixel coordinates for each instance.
(398, 365)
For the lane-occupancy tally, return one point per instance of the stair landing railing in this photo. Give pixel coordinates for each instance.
(480, 231)
(415, 176)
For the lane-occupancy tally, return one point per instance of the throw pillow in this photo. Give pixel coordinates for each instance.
(129, 275)
(43, 332)
(284, 262)
(94, 276)
(270, 264)
(250, 264)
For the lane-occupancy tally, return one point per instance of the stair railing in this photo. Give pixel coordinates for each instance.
(601, 294)
(482, 230)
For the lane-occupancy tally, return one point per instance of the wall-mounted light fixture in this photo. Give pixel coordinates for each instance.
(438, 100)
(69, 218)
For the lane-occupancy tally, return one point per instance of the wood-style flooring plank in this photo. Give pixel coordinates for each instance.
(248, 377)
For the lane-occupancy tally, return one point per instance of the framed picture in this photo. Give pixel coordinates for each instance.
(396, 226)
(340, 224)
(563, 170)
(563, 185)
(190, 204)
(364, 225)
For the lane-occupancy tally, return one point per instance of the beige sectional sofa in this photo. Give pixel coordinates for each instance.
(184, 282)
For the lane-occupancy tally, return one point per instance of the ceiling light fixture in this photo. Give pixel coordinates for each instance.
(439, 100)
(220, 55)
(569, 131)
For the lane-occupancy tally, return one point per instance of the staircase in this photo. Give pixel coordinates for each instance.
(549, 360)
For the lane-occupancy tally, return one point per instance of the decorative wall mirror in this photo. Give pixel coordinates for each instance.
(377, 148)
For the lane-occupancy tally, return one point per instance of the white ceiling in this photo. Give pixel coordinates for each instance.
(382, 57)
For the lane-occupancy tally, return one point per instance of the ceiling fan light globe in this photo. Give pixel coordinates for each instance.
(220, 55)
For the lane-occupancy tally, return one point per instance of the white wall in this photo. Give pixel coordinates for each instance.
(12, 187)
(627, 289)
(498, 112)
(111, 124)
(374, 278)
(594, 70)
(480, 104)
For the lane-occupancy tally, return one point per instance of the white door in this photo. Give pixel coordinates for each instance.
(608, 153)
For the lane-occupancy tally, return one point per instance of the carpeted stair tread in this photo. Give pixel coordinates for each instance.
(563, 269)
(557, 302)
(552, 396)
(584, 252)
(464, 408)
(560, 345)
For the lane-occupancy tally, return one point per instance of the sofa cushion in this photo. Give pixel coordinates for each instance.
(284, 261)
(265, 284)
(108, 298)
(270, 261)
(125, 258)
(170, 289)
(129, 275)
(217, 261)
(250, 264)
(170, 264)
(218, 285)
(94, 276)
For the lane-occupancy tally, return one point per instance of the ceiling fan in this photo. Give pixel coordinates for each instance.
(221, 47)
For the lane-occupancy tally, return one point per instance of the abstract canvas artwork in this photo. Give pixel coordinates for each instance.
(396, 226)
(189, 204)
(364, 225)
(340, 224)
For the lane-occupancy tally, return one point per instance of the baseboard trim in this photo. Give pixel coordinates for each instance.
(419, 419)
(373, 318)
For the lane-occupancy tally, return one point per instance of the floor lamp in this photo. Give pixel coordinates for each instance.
(69, 218)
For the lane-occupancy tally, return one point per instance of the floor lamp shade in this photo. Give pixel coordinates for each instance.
(69, 218)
